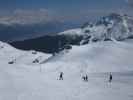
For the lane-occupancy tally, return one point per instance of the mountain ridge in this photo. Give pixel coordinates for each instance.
(114, 27)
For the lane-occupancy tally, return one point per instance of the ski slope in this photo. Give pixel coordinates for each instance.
(9, 53)
(95, 57)
(25, 80)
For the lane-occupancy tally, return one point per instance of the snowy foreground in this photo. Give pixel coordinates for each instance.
(25, 80)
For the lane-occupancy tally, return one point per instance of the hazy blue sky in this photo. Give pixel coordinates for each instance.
(57, 4)
(66, 8)
(62, 5)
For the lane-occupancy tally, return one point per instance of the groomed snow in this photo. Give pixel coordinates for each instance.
(25, 81)
(95, 57)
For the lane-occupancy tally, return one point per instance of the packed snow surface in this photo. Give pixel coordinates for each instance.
(25, 80)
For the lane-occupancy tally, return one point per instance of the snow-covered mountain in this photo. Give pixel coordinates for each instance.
(112, 27)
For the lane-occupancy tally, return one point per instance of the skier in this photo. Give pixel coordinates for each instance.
(61, 76)
(85, 78)
(110, 77)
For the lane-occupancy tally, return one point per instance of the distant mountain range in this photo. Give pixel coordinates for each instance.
(22, 25)
(16, 32)
(114, 27)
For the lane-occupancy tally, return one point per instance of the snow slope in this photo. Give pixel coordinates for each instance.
(95, 57)
(22, 81)
(11, 54)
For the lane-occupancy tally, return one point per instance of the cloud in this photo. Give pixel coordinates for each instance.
(42, 15)
(89, 14)
(28, 16)
(31, 12)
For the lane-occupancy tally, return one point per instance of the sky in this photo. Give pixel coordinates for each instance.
(67, 9)
(60, 4)
(64, 6)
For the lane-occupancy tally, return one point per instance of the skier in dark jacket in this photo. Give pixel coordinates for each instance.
(110, 77)
(61, 76)
(85, 78)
